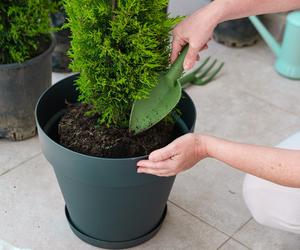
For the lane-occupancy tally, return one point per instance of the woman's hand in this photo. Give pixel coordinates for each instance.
(196, 30)
(180, 155)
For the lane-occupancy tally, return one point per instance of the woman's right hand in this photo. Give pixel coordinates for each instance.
(196, 30)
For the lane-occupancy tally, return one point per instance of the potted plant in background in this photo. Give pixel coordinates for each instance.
(25, 63)
(120, 48)
(60, 59)
(236, 33)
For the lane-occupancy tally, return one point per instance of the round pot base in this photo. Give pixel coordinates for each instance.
(114, 244)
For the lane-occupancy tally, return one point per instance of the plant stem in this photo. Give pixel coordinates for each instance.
(113, 7)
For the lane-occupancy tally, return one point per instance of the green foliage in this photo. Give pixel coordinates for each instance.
(119, 47)
(24, 26)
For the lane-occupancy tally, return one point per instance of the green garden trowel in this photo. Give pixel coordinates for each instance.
(162, 100)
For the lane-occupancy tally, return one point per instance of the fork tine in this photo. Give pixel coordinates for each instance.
(202, 65)
(191, 76)
(207, 70)
(202, 81)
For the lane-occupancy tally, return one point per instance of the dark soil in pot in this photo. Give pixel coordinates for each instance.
(82, 133)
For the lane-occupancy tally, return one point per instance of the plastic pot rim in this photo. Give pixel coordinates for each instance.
(137, 158)
(31, 60)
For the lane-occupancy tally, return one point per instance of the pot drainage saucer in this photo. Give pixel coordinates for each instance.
(114, 244)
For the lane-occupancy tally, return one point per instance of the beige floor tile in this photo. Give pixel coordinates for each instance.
(31, 209)
(226, 111)
(13, 153)
(213, 192)
(31, 215)
(183, 231)
(251, 70)
(259, 237)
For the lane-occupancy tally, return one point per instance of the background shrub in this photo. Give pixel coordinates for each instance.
(24, 28)
(119, 47)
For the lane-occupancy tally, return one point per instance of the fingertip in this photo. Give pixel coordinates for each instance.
(152, 156)
(159, 155)
(143, 171)
(141, 163)
(204, 47)
(187, 65)
(190, 58)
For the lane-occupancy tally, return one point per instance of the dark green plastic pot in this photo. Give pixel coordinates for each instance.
(107, 203)
(21, 84)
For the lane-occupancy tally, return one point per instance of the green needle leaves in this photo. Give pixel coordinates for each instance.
(119, 47)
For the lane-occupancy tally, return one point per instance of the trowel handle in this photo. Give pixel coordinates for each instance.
(176, 68)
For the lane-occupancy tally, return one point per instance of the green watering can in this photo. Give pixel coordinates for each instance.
(288, 54)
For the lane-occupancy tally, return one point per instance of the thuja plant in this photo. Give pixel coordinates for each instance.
(24, 26)
(119, 47)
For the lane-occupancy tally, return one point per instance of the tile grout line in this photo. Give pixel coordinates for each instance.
(199, 219)
(229, 236)
(244, 224)
(19, 164)
(218, 248)
(239, 229)
(243, 244)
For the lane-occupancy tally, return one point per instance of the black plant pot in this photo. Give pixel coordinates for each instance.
(236, 33)
(60, 59)
(21, 84)
(108, 204)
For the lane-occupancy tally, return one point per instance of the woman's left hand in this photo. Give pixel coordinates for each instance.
(180, 155)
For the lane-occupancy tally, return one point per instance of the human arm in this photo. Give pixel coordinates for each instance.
(197, 28)
(281, 166)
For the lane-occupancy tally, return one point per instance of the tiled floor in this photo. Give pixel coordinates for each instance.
(248, 102)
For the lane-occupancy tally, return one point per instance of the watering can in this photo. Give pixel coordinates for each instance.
(288, 53)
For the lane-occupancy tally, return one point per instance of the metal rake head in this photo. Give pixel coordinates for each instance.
(203, 74)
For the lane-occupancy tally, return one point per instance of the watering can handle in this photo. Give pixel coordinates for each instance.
(266, 35)
(176, 68)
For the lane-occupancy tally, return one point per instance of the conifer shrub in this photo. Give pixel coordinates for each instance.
(119, 47)
(24, 28)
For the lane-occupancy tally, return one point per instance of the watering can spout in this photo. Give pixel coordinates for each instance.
(266, 35)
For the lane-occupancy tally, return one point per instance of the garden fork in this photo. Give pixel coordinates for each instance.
(201, 75)
(164, 97)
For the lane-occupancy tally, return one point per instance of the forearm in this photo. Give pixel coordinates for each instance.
(281, 166)
(232, 9)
